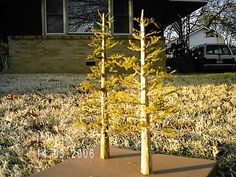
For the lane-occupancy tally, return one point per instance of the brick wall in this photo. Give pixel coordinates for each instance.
(52, 54)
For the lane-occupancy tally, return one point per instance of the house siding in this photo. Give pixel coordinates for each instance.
(55, 54)
(52, 54)
(201, 38)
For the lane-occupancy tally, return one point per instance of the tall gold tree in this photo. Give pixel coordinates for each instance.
(146, 161)
(132, 101)
(148, 78)
(105, 151)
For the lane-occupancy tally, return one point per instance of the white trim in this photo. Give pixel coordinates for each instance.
(219, 64)
(43, 16)
(110, 14)
(79, 33)
(131, 17)
(65, 16)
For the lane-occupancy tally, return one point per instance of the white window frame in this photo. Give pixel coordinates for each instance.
(44, 11)
(130, 19)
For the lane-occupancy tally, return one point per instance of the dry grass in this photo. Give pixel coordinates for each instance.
(37, 113)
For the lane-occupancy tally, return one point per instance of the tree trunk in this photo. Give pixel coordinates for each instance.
(104, 146)
(146, 162)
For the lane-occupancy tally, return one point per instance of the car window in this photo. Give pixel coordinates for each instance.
(225, 50)
(217, 50)
(211, 49)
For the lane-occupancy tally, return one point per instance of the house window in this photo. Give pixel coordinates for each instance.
(54, 16)
(122, 14)
(83, 14)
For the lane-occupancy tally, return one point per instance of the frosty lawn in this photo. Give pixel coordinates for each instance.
(37, 114)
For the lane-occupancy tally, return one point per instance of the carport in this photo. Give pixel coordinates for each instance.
(167, 11)
(26, 17)
(51, 35)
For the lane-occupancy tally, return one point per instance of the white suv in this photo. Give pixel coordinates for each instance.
(213, 56)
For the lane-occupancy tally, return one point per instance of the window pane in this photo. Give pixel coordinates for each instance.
(54, 24)
(121, 24)
(83, 14)
(54, 10)
(217, 50)
(121, 7)
(212, 49)
(225, 50)
(121, 16)
(54, 7)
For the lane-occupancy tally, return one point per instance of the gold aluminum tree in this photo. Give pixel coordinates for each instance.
(99, 84)
(132, 101)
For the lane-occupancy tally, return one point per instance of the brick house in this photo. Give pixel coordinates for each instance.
(53, 35)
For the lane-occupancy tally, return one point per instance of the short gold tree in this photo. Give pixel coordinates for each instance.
(99, 84)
